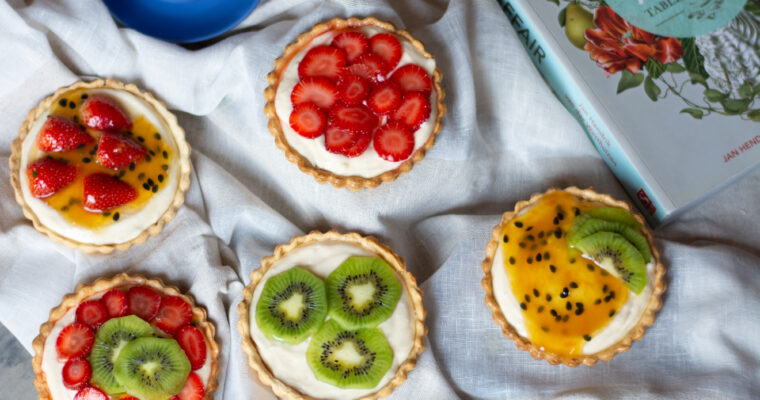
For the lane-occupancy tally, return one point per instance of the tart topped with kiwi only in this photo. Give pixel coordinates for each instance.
(127, 337)
(100, 166)
(355, 102)
(332, 315)
(572, 276)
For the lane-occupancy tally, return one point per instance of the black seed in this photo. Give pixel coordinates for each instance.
(553, 312)
(165, 167)
(548, 297)
(612, 312)
(533, 247)
(556, 221)
(157, 136)
(522, 245)
(131, 166)
(512, 260)
(573, 285)
(519, 224)
(558, 233)
(565, 293)
(552, 268)
(84, 96)
(538, 257)
(81, 146)
(527, 298)
(612, 293)
(576, 211)
(561, 216)
(604, 289)
(530, 228)
(578, 311)
(160, 178)
(530, 260)
(121, 173)
(150, 182)
(607, 299)
(64, 208)
(566, 317)
(107, 214)
(147, 157)
(540, 235)
(141, 176)
(569, 306)
(530, 238)
(523, 306)
(505, 239)
(572, 261)
(579, 305)
(72, 105)
(155, 189)
(603, 272)
(129, 133)
(546, 255)
(116, 217)
(165, 154)
(535, 292)
(587, 338)
(540, 309)
(146, 186)
(545, 329)
(153, 153)
(598, 301)
(141, 139)
(62, 102)
(76, 119)
(558, 318)
(590, 267)
(86, 160)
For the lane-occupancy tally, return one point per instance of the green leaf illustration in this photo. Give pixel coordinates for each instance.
(562, 17)
(756, 90)
(754, 115)
(651, 88)
(629, 80)
(674, 67)
(745, 90)
(714, 96)
(698, 78)
(693, 112)
(752, 7)
(654, 68)
(735, 106)
(692, 58)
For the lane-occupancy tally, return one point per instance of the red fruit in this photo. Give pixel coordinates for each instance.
(135, 398)
(373, 64)
(394, 141)
(413, 111)
(61, 134)
(317, 90)
(104, 114)
(90, 393)
(356, 118)
(323, 61)
(116, 303)
(308, 120)
(173, 314)
(74, 341)
(339, 140)
(354, 89)
(47, 176)
(387, 47)
(76, 373)
(116, 150)
(385, 97)
(92, 313)
(360, 146)
(143, 302)
(103, 192)
(191, 340)
(353, 43)
(412, 78)
(363, 71)
(193, 389)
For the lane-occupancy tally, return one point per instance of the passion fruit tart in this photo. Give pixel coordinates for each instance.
(572, 276)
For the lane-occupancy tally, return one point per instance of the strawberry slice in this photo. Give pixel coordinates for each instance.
(360, 146)
(92, 313)
(74, 341)
(308, 120)
(61, 134)
(412, 78)
(414, 110)
(323, 61)
(353, 89)
(90, 393)
(47, 176)
(394, 141)
(190, 339)
(116, 303)
(103, 192)
(103, 114)
(173, 314)
(116, 150)
(355, 118)
(318, 90)
(76, 373)
(387, 47)
(339, 140)
(353, 43)
(385, 97)
(373, 64)
(193, 389)
(143, 302)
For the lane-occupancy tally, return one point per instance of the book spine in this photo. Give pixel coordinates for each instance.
(555, 71)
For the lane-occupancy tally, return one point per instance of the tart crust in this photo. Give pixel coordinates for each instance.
(321, 175)
(647, 316)
(369, 243)
(85, 290)
(160, 108)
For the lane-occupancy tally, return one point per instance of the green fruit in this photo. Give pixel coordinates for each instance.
(152, 368)
(346, 358)
(110, 339)
(589, 226)
(577, 20)
(362, 292)
(615, 214)
(617, 255)
(292, 305)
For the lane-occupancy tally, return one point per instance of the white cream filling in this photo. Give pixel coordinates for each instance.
(288, 363)
(131, 223)
(368, 164)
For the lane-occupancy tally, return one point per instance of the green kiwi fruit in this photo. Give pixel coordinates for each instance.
(362, 292)
(112, 336)
(347, 358)
(616, 254)
(292, 305)
(615, 214)
(589, 226)
(152, 368)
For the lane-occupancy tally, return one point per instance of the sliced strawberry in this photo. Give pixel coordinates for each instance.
(318, 90)
(387, 47)
(323, 61)
(143, 302)
(360, 146)
(103, 114)
(116, 150)
(193, 389)
(385, 97)
(339, 140)
(103, 192)
(356, 118)
(414, 110)
(116, 303)
(74, 341)
(354, 89)
(47, 176)
(363, 71)
(190, 339)
(394, 141)
(61, 134)
(308, 120)
(90, 393)
(173, 314)
(76, 373)
(135, 398)
(353, 43)
(373, 63)
(412, 78)
(92, 313)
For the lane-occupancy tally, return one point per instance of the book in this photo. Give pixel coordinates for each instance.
(675, 118)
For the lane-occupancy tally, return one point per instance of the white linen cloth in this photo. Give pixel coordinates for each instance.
(505, 137)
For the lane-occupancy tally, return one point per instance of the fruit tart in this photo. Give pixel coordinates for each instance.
(100, 166)
(572, 276)
(355, 102)
(126, 337)
(332, 315)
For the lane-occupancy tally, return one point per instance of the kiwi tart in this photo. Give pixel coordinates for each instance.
(572, 276)
(126, 336)
(332, 315)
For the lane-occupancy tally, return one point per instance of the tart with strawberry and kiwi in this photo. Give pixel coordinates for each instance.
(127, 337)
(100, 166)
(573, 276)
(355, 102)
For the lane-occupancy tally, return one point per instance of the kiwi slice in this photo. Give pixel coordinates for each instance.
(110, 338)
(615, 214)
(347, 358)
(617, 255)
(152, 368)
(589, 226)
(292, 305)
(362, 292)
